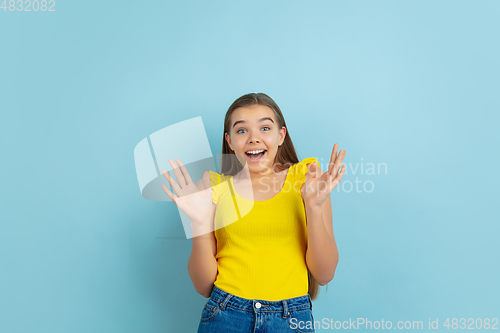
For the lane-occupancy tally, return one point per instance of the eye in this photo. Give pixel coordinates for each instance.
(242, 129)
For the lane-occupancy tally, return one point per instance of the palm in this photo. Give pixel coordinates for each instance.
(195, 202)
(319, 184)
(315, 190)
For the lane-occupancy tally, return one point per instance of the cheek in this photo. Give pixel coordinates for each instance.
(273, 142)
(240, 146)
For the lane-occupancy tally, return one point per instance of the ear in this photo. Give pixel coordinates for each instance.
(282, 135)
(228, 139)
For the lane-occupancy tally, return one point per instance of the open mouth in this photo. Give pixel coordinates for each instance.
(256, 155)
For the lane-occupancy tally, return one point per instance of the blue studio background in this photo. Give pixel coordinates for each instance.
(411, 86)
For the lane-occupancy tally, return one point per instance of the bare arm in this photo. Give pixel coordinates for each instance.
(202, 265)
(322, 255)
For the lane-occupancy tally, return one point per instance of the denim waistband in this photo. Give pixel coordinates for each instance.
(224, 299)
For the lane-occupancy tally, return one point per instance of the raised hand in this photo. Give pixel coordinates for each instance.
(318, 183)
(195, 202)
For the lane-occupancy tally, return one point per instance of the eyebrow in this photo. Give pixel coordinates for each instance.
(261, 119)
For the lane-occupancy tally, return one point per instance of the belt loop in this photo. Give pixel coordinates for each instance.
(310, 302)
(285, 309)
(223, 304)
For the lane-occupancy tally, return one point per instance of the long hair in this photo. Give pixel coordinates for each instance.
(286, 155)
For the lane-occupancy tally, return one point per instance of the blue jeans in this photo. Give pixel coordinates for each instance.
(227, 313)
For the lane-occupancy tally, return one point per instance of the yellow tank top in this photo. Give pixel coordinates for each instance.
(261, 245)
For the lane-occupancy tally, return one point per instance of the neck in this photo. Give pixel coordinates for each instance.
(255, 177)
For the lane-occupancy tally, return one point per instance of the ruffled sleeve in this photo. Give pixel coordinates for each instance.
(300, 170)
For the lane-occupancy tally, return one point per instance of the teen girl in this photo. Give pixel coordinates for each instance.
(259, 267)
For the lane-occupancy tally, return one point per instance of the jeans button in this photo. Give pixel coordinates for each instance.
(258, 305)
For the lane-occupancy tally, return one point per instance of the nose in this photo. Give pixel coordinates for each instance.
(253, 140)
(253, 137)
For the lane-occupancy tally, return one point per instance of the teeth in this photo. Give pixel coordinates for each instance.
(255, 151)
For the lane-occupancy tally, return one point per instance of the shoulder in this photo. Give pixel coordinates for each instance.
(216, 178)
(301, 167)
(299, 171)
(308, 160)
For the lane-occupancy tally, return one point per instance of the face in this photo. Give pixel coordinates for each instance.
(255, 128)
